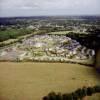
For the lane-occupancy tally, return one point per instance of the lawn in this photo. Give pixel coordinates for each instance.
(31, 81)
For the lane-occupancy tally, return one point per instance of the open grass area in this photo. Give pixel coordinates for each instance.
(13, 33)
(31, 81)
(66, 32)
(60, 32)
(17, 39)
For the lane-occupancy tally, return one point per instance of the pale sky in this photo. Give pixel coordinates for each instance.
(49, 7)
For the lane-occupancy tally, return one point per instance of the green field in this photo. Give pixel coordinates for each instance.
(31, 81)
(66, 32)
(8, 40)
(60, 32)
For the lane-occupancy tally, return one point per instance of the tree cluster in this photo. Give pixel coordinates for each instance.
(76, 95)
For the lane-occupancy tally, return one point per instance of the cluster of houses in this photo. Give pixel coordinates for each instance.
(47, 48)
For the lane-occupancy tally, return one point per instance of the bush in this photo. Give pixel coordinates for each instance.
(59, 96)
(78, 94)
(52, 96)
(97, 89)
(89, 91)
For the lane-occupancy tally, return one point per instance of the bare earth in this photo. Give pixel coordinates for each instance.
(31, 81)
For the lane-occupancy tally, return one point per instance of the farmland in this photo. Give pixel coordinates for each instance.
(43, 54)
(31, 81)
(13, 33)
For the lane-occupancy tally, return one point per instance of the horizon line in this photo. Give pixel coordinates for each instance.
(92, 15)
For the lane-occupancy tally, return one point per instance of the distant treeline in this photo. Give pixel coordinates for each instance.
(22, 20)
(16, 20)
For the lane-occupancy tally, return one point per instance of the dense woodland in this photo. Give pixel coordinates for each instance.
(91, 40)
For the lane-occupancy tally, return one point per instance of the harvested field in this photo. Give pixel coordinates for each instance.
(31, 81)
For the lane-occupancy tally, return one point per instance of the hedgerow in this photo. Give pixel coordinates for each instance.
(76, 95)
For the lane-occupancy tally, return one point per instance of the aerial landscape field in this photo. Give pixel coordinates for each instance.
(49, 49)
(38, 58)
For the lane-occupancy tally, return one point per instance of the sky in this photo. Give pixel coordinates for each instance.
(48, 7)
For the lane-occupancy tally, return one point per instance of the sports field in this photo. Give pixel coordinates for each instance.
(31, 81)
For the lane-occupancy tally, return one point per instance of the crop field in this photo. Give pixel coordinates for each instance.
(66, 32)
(60, 32)
(32, 81)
